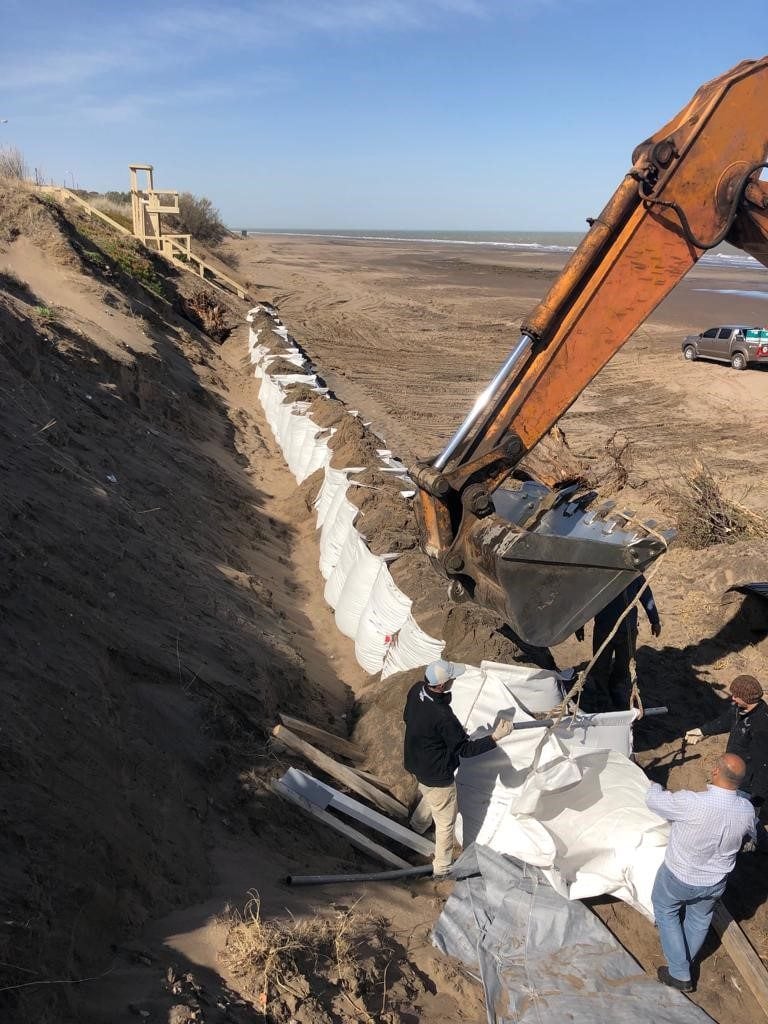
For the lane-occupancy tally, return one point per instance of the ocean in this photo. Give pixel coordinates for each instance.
(725, 256)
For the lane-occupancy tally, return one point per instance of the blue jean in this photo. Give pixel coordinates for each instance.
(683, 913)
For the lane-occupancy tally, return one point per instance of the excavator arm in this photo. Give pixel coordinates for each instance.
(541, 558)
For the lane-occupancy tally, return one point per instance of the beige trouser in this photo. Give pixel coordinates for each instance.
(438, 804)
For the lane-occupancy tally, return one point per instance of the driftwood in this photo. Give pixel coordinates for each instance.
(552, 461)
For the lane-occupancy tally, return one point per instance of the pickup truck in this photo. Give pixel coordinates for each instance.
(736, 344)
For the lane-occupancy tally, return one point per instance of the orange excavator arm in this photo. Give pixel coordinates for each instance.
(693, 185)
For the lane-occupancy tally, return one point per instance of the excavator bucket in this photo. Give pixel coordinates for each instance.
(548, 562)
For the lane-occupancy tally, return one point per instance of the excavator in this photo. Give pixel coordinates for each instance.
(541, 556)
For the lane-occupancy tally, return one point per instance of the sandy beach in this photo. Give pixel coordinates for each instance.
(411, 332)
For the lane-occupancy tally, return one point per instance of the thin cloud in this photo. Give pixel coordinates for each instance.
(187, 34)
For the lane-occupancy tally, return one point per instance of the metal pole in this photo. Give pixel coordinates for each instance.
(516, 356)
(545, 723)
(376, 876)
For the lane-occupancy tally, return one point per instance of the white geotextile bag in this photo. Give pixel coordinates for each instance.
(357, 588)
(267, 390)
(347, 557)
(385, 612)
(316, 455)
(334, 533)
(410, 648)
(334, 479)
(581, 816)
(290, 420)
(300, 437)
(536, 689)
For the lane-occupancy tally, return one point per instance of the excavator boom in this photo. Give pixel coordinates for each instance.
(541, 558)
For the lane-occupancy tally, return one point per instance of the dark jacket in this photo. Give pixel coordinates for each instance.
(434, 737)
(749, 739)
(606, 619)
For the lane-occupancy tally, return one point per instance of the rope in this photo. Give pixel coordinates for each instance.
(578, 687)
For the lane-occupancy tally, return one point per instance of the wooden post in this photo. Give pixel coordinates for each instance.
(740, 950)
(347, 776)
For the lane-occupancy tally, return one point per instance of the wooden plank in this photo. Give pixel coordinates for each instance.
(740, 950)
(326, 740)
(356, 838)
(373, 779)
(365, 815)
(347, 776)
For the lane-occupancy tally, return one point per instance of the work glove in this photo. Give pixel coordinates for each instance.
(502, 728)
(656, 629)
(693, 736)
(580, 634)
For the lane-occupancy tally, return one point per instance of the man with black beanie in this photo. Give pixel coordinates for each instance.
(746, 721)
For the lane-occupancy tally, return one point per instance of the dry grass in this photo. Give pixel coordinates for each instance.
(12, 164)
(120, 212)
(706, 516)
(620, 453)
(279, 960)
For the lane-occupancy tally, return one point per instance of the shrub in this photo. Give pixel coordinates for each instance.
(200, 218)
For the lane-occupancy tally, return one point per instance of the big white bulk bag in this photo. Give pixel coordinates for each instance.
(410, 648)
(301, 443)
(334, 533)
(357, 588)
(334, 479)
(537, 690)
(385, 612)
(316, 453)
(347, 556)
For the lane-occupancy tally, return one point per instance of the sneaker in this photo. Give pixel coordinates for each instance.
(668, 979)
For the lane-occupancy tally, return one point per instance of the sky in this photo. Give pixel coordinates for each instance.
(352, 114)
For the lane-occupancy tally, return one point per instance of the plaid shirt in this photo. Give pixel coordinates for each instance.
(707, 831)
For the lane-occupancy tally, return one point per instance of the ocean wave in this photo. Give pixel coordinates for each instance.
(734, 260)
(526, 246)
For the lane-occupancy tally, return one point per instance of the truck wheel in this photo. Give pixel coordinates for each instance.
(739, 361)
(689, 353)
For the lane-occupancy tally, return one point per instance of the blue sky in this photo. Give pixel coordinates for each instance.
(454, 114)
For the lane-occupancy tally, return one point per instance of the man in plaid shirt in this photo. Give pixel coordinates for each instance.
(707, 831)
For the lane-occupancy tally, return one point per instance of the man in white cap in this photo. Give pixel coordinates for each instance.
(435, 741)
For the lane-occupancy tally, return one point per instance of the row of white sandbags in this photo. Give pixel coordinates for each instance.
(518, 799)
(368, 606)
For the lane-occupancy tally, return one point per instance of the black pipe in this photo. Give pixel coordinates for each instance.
(376, 876)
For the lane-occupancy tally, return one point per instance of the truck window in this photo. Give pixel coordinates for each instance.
(725, 333)
(711, 333)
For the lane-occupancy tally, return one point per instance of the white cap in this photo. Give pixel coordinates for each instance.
(440, 672)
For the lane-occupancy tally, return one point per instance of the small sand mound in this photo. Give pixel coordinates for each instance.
(387, 521)
(353, 444)
(282, 366)
(298, 393)
(310, 488)
(326, 411)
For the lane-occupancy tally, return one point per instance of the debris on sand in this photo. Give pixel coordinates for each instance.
(706, 517)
